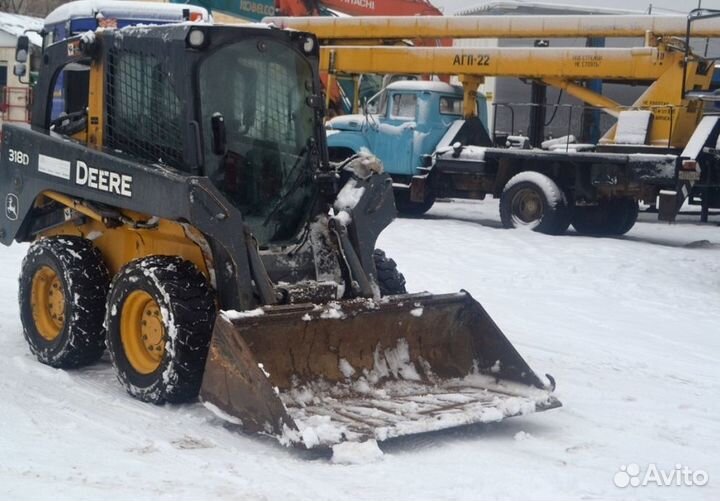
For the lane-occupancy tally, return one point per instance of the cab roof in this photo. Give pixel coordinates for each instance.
(139, 11)
(429, 85)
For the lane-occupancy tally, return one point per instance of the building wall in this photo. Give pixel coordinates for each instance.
(14, 95)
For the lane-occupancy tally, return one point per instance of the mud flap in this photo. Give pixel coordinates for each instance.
(317, 375)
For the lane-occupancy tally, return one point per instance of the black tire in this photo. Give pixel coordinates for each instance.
(184, 305)
(609, 218)
(406, 207)
(630, 212)
(389, 278)
(533, 200)
(71, 334)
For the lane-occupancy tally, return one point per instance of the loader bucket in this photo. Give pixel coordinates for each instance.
(353, 370)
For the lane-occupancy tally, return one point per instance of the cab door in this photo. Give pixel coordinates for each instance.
(393, 141)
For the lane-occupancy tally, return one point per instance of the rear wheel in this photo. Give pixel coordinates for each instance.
(160, 314)
(63, 283)
(534, 201)
(610, 217)
(407, 207)
(389, 278)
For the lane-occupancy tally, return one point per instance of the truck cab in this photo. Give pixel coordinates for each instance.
(401, 124)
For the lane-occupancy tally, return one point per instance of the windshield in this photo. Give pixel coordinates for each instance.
(260, 87)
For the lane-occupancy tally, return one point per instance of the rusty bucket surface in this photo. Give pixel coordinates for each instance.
(351, 370)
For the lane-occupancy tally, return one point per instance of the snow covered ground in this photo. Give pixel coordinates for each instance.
(629, 327)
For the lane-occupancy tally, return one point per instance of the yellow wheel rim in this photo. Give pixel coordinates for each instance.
(48, 303)
(142, 332)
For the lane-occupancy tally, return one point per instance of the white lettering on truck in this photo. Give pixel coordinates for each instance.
(103, 180)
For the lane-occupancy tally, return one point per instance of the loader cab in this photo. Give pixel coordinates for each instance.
(240, 105)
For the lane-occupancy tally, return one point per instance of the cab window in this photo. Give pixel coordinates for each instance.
(451, 105)
(68, 114)
(377, 104)
(403, 106)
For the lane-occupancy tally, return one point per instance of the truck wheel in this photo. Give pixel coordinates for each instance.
(610, 217)
(629, 209)
(390, 280)
(534, 201)
(406, 207)
(160, 314)
(63, 282)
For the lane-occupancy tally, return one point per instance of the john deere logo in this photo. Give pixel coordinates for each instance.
(11, 206)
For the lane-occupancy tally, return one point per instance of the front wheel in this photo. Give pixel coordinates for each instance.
(534, 201)
(389, 278)
(160, 315)
(407, 207)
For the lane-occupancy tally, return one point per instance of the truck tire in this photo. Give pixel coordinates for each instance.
(406, 207)
(63, 283)
(532, 200)
(160, 315)
(610, 217)
(389, 278)
(631, 211)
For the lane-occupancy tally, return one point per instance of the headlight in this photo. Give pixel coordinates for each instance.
(196, 39)
(309, 45)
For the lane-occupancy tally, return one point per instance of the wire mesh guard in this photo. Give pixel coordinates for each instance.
(143, 110)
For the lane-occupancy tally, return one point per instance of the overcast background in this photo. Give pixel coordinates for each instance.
(670, 6)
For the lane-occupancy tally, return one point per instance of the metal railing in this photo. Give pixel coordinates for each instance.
(569, 113)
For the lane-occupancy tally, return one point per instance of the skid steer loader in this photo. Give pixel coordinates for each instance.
(194, 178)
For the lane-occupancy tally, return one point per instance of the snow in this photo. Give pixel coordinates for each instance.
(396, 361)
(552, 193)
(333, 310)
(558, 141)
(349, 196)
(148, 11)
(632, 126)
(426, 85)
(222, 414)
(364, 164)
(238, 315)
(699, 138)
(88, 37)
(343, 218)
(522, 435)
(346, 368)
(16, 24)
(356, 453)
(628, 327)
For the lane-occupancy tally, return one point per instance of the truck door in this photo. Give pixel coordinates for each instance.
(393, 142)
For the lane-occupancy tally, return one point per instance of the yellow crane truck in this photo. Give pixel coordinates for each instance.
(664, 145)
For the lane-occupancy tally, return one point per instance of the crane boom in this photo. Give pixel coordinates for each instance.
(638, 64)
(421, 27)
(663, 67)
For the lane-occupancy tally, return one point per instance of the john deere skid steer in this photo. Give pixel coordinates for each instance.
(188, 175)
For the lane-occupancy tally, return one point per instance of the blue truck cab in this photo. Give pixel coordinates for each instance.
(403, 124)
